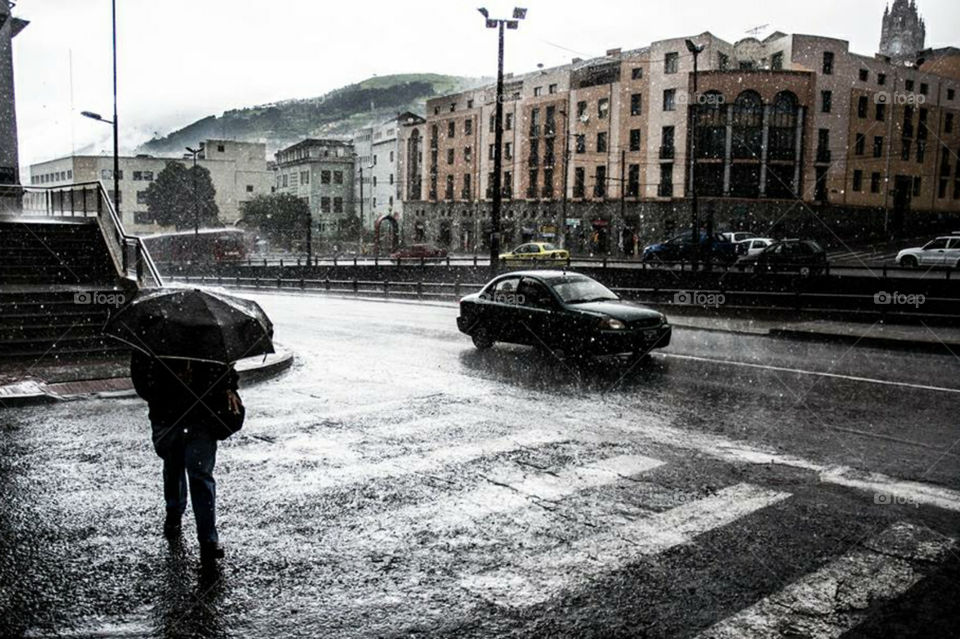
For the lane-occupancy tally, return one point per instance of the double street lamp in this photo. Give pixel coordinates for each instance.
(496, 23)
(98, 117)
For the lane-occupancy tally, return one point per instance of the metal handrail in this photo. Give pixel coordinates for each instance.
(89, 199)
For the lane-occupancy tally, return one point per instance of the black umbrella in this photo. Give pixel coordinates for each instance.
(193, 324)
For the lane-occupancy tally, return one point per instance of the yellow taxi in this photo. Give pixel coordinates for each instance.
(535, 252)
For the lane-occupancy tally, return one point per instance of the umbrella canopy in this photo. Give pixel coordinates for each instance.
(193, 324)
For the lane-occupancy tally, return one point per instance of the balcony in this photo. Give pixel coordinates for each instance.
(665, 190)
(823, 156)
(667, 152)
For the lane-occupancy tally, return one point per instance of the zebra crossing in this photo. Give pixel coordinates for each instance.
(525, 535)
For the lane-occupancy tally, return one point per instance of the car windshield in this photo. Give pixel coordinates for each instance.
(549, 247)
(581, 289)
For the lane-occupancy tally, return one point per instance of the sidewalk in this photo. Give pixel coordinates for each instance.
(108, 378)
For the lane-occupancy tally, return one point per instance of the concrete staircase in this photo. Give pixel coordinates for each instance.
(58, 284)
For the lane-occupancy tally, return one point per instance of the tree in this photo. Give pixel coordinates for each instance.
(282, 217)
(182, 196)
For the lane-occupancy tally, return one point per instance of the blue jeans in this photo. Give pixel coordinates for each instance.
(192, 463)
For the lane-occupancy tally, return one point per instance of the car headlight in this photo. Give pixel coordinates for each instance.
(612, 324)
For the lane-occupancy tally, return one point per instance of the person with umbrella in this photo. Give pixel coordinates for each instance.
(185, 343)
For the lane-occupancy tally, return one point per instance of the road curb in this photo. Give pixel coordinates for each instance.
(889, 343)
(37, 393)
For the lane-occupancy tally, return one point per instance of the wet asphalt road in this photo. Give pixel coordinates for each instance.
(396, 482)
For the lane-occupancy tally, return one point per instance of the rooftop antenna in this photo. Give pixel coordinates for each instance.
(756, 30)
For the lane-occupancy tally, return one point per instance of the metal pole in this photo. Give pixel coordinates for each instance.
(360, 238)
(694, 204)
(497, 160)
(623, 195)
(309, 238)
(116, 136)
(562, 225)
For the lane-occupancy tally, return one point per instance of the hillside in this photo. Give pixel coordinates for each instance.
(337, 113)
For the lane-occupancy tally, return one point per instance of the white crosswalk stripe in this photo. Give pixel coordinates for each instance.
(536, 578)
(836, 598)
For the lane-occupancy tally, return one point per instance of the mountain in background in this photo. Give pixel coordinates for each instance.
(336, 114)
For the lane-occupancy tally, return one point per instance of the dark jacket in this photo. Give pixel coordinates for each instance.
(183, 397)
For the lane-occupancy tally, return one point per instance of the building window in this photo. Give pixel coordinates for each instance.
(391, 156)
(874, 182)
(826, 101)
(603, 107)
(451, 129)
(776, 61)
(137, 176)
(881, 112)
(141, 197)
(324, 177)
(670, 100)
(908, 85)
(881, 79)
(508, 122)
(391, 179)
(532, 186)
(338, 177)
(878, 146)
(633, 180)
(374, 181)
(857, 180)
(467, 130)
(338, 205)
(467, 155)
(924, 88)
(636, 73)
(220, 148)
(827, 63)
(602, 142)
(581, 143)
(579, 181)
(864, 75)
(581, 109)
(453, 107)
(723, 61)
(951, 93)
(636, 103)
(537, 92)
(634, 139)
(671, 62)
(448, 194)
(862, 106)
(324, 204)
(552, 89)
(493, 123)
(948, 123)
(905, 149)
(859, 147)
(304, 177)
(600, 182)
(916, 186)
(450, 155)
(665, 189)
(285, 180)
(469, 104)
(508, 150)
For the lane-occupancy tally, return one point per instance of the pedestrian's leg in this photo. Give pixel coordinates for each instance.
(175, 482)
(200, 458)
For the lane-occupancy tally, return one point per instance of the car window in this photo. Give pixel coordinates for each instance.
(955, 243)
(549, 247)
(504, 291)
(936, 244)
(531, 293)
(581, 289)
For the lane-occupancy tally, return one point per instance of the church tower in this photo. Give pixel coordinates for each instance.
(904, 32)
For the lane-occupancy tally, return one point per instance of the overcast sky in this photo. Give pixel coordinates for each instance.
(180, 60)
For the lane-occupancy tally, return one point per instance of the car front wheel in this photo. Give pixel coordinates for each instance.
(482, 340)
(909, 261)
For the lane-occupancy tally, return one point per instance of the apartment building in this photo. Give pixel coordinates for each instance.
(321, 172)
(793, 133)
(238, 171)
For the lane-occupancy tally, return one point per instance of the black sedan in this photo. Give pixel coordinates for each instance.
(563, 312)
(805, 257)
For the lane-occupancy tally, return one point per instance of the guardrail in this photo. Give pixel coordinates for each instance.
(865, 307)
(90, 200)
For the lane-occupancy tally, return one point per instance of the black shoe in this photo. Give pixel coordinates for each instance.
(210, 552)
(171, 525)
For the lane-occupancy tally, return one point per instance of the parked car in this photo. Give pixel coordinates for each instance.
(680, 248)
(423, 251)
(942, 251)
(805, 257)
(738, 236)
(753, 245)
(535, 252)
(562, 311)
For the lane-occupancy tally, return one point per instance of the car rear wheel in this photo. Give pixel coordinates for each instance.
(482, 340)
(909, 261)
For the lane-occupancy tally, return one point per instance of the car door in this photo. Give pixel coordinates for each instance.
(952, 255)
(536, 309)
(501, 314)
(933, 254)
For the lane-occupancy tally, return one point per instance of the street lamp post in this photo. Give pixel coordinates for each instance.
(196, 201)
(691, 133)
(562, 222)
(116, 135)
(361, 208)
(494, 23)
(116, 156)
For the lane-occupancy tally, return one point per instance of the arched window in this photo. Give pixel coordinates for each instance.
(747, 125)
(782, 146)
(711, 125)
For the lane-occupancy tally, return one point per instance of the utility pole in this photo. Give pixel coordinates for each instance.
(196, 202)
(691, 135)
(518, 14)
(360, 237)
(116, 135)
(623, 195)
